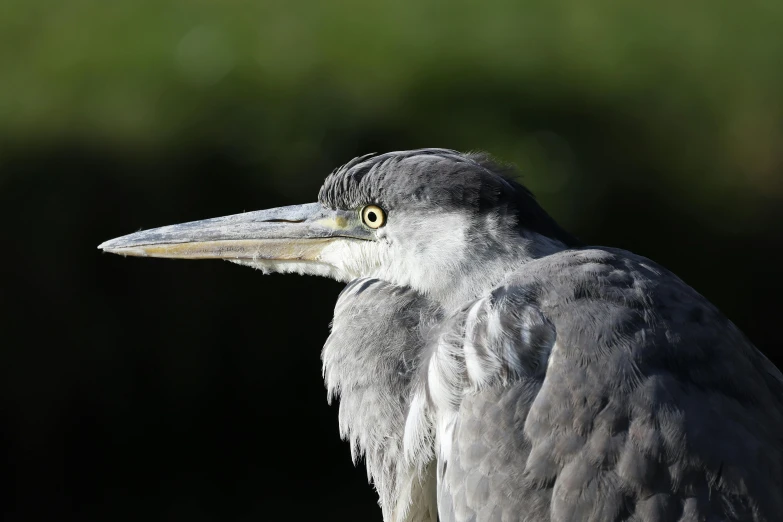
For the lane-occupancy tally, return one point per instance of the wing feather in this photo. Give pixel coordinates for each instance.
(595, 385)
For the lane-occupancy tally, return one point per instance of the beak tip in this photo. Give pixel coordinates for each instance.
(109, 246)
(115, 246)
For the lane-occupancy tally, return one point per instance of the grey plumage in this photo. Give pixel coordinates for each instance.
(490, 368)
(652, 406)
(372, 361)
(438, 180)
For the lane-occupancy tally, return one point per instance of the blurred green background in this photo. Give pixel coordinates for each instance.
(177, 391)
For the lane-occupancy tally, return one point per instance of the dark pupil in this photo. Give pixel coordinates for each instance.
(371, 217)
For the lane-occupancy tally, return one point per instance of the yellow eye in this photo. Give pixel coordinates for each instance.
(373, 216)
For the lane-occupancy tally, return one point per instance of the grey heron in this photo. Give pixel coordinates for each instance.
(491, 368)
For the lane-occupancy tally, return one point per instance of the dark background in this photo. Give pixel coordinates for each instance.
(143, 389)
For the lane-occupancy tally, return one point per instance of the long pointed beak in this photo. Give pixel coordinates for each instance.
(295, 233)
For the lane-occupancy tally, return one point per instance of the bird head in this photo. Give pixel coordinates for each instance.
(444, 223)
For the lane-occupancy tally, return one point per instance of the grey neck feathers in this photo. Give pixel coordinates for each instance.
(489, 264)
(370, 362)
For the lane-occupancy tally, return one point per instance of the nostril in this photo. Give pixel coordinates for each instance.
(283, 221)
